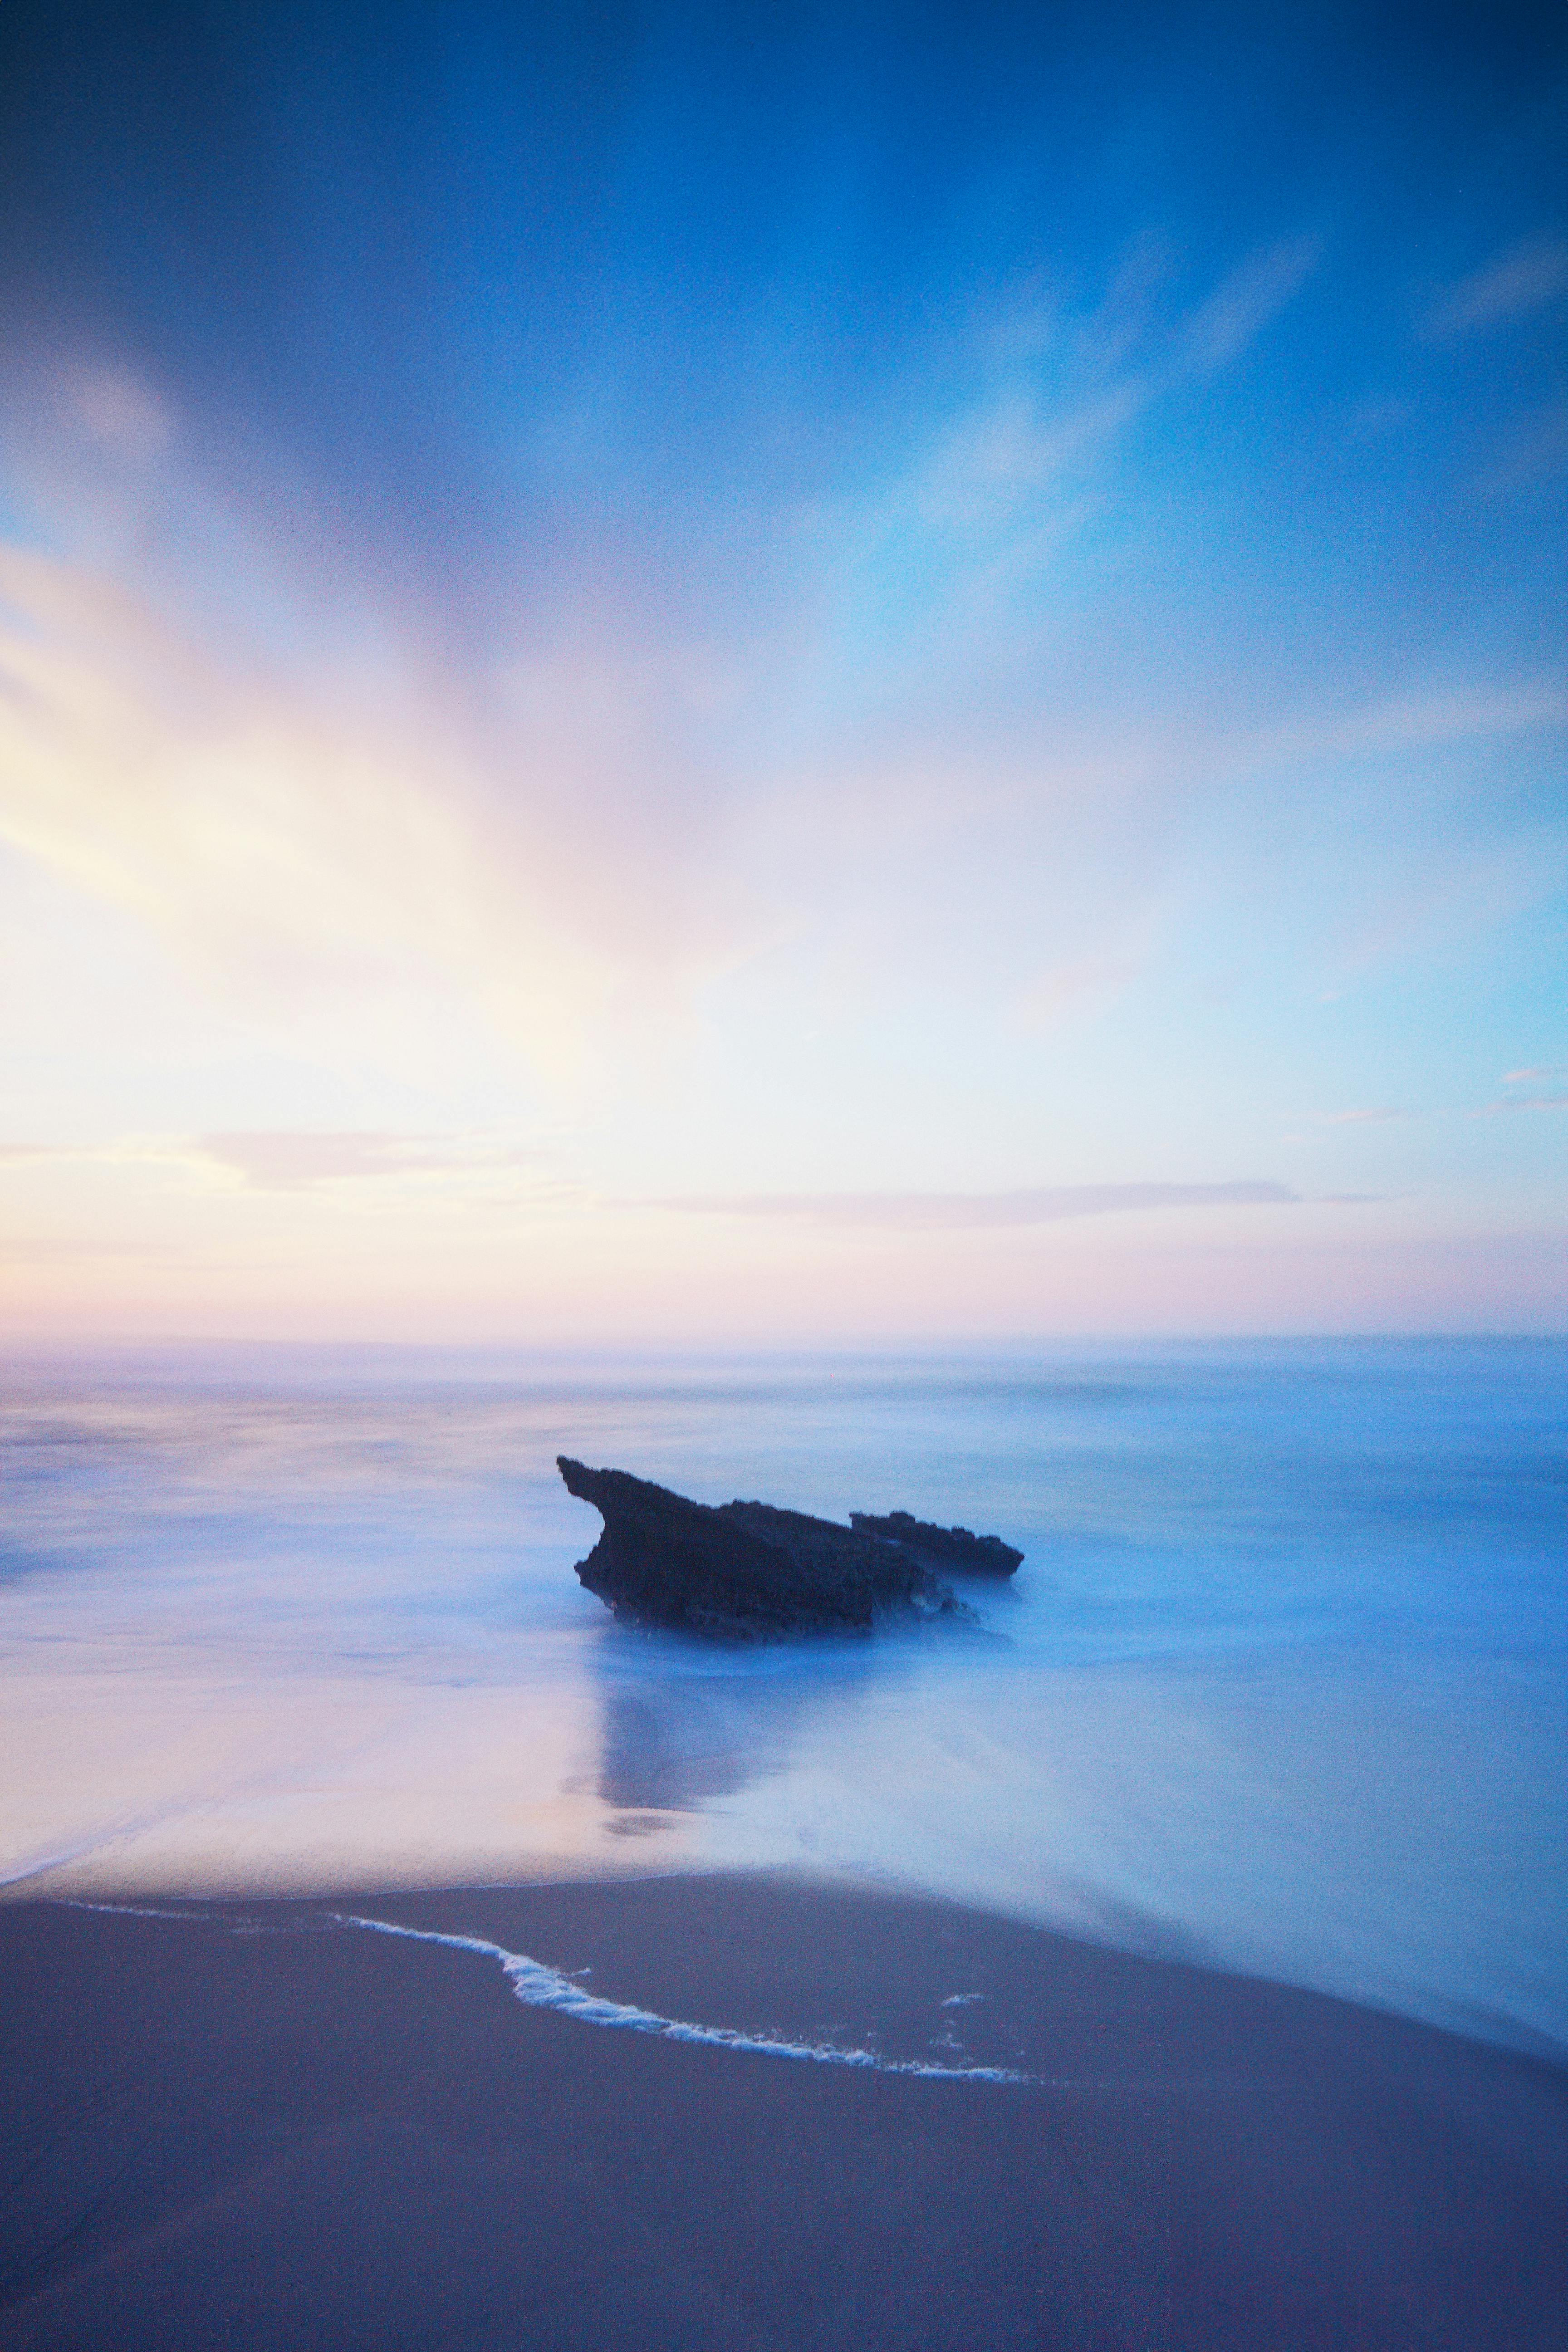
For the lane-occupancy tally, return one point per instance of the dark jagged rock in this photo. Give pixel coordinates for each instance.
(954, 1548)
(747, 1571)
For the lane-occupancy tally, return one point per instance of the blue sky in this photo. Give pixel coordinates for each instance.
(742, 674)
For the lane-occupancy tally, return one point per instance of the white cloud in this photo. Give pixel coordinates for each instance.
(1525, 278)
(122, 414)
(959, 1212)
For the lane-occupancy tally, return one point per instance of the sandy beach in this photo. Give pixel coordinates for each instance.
(249, 2125)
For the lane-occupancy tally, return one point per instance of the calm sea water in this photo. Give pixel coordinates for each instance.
(1281, 1683)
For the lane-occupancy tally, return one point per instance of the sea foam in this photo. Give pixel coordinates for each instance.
(538, 1986)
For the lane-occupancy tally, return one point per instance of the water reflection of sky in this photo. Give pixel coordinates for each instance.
(1281, 1680)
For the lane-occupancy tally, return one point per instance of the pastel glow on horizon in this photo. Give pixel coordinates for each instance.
(701, 679)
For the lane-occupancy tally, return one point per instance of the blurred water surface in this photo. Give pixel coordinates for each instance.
(1281, 1683)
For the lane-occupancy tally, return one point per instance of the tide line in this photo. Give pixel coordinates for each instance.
(538, 1986)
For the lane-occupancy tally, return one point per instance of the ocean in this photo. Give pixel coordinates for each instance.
(1281, 1686)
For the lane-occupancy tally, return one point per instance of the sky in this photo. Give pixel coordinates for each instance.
(742, 676)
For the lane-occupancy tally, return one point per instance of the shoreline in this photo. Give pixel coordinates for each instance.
(246, 2125)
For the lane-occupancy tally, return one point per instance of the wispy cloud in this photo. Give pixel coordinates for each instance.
(1522, 279)
(991, 493)
(275, 1161)
(300, 844)
(1026, 441)
(281, 1161)
(1544, 1075)
(1359, 1118)
(1418, 719)
(1521, 1102)
(1446, 896)
(123, 413)
(122, 1152)
(1090, 982)
(292, 1163)
(1245, 302)
(1533, 449)
(959, 1211)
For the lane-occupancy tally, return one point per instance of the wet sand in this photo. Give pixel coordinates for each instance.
(246, 2126)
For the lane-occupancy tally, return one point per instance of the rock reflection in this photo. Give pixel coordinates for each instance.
(673, 1742)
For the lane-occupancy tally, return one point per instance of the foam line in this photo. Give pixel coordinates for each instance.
(133, 1910)
(539, 1987)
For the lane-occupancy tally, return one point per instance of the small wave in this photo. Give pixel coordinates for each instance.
(540, 1986)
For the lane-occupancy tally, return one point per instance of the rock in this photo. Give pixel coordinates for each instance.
(747, 1571)
(954, 1548)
